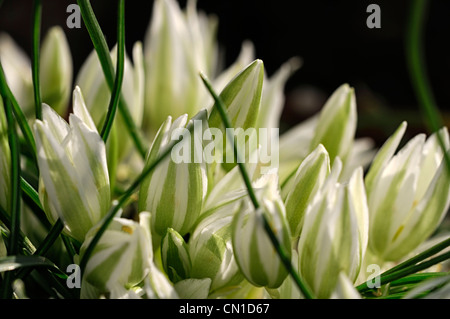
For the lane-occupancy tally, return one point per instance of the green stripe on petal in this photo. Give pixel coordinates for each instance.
(308, 179)
(175, 190)
(175, 256)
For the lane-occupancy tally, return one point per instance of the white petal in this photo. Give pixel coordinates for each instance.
(80, 109)
(56, 124)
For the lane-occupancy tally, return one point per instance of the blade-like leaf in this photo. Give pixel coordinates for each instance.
(15, 262)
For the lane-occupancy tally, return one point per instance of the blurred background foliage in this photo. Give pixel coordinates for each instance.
(330, 36)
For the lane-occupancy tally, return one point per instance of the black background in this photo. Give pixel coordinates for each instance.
(330, 36)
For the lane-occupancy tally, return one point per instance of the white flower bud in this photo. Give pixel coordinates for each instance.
(334, 234)
(174, 191)
(408, 193)
(253, 249)
(74, 180)
(56, 70)
(121, 258)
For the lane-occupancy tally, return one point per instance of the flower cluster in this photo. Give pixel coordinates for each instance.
(332, 204)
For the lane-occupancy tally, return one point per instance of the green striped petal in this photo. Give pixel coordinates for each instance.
(121, 257)
(242, 98)
(175, 256)
(193, 288)
(310, 176)
(384, 154)
(211, 250)
(174, 191)
(74, 179)
(337, 123)
(178, 46)
(408, 194)
(332, 239)
(257, 260)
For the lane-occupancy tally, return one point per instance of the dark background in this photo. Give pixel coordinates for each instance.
(330, 36)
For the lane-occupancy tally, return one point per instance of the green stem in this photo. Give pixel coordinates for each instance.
(45, 246)
(104, 57)
(417, 70)
(24, 241)
(34, 196)
(303, 287)
(5, 91)
(69, 246)
(115, 95)
(411, 262)
(14, 238)
(37, 13)
(384, 279)
(416, 278)
(30, 192)
(420, 257)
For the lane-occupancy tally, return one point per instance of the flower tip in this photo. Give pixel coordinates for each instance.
(294, 63)
(321, 148)
(56, 31)
(259, 63)
(346, 89)
(247, 49)
(77, 90)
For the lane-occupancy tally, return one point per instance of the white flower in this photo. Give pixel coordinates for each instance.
(175, 256)
(174, 192)
(122, 257)
(17, 67)
(408, 193)
(253, 249)
(242, 99)
(334, 127)
(308, 179)
(56, 71)
(211, 250)
(334, 234)
(345, 289)
(177, 47)
(74, 180)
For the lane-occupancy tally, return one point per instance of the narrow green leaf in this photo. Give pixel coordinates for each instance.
(5, 91)
(390, 277)
(415, 58)
(30, 192)
(46, 244)
(15, 262)
(416, 278)
(115, 94)
(14, 238)
(104, 57)
(25, 243)
(37, 13)
(420, 257)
